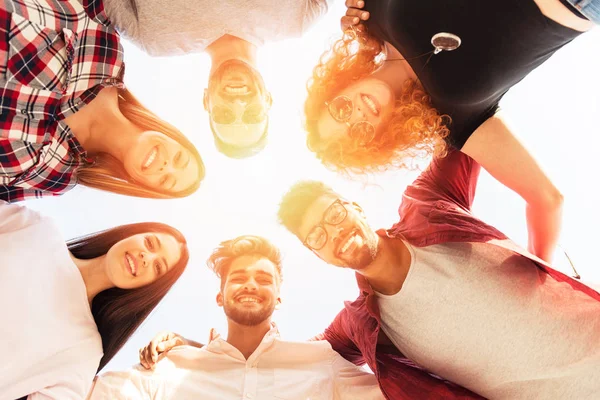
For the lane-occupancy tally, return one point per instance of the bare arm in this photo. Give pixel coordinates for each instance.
(496, 149)
(162, 343)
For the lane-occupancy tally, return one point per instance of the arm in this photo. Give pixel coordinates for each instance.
(15, 217)
(340, 342)
(494, 146)
(161, 344)
(124, 385)
(352, 382)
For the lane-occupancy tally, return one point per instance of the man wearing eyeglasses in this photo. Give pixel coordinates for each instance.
(447, 303)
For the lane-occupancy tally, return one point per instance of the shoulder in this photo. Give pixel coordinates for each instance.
(15, 217)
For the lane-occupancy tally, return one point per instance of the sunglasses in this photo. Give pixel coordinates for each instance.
(221, 114)
(340, 109)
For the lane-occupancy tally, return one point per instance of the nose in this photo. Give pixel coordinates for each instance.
(251, 285)
(146, 258)
(164, 165)
(335, 232)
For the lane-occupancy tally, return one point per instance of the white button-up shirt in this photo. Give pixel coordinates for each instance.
(276, 370)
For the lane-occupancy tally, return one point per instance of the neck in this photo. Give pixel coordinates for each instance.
(229, 47)
(247, 338)
(395, 70)
(100, 126)
(387, 272)
(94, 275)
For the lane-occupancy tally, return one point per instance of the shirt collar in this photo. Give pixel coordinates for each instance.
(272, 334)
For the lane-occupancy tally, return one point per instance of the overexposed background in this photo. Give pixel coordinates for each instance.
(554, 111)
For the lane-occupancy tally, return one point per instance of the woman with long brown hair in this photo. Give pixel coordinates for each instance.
(423, 78)
(66, 116)
(68, 308)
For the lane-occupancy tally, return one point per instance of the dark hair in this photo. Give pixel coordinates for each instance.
(233, 151)
(108, 173)
(119, 312)
(295, 202)
(221, 258)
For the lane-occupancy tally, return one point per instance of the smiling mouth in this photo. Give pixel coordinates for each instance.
(248, 300)
(131, 264)
(150, 158)
(371, 103)
(236, 90)
(350, 243)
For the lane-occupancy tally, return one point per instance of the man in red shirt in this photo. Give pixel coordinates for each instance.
(448, 305)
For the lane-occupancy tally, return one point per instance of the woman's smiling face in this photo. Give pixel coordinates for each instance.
(372, 100)
(141, 259)
(159, 162)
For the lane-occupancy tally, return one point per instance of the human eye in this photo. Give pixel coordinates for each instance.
(158, 267)
(177, 158)
(148, 243)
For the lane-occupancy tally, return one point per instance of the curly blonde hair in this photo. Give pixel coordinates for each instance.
(415, 128)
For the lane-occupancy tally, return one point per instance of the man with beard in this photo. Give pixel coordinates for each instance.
(252, 363)
(448, 303)
(230, 31)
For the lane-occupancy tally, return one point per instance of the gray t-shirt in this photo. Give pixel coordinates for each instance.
(490, 320)
(175, 27)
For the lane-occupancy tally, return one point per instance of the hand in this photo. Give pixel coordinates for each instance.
(354, 14)
(161, 343)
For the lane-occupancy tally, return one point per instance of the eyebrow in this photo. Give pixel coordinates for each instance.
(263, 273)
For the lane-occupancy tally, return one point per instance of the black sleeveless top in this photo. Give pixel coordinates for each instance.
(502, 41)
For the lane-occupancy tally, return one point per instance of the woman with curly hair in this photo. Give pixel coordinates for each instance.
(381, 95)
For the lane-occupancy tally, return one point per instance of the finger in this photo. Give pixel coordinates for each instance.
(355, 12)
(148, 357)
(166, 345)
(347, 22)
(355, 3)
(143, 359)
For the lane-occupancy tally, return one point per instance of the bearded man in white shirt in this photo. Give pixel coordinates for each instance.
(253, 362)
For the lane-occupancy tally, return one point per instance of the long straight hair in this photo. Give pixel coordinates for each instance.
(119, 312)
(108, 173)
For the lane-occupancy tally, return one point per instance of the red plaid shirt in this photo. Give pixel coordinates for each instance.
(435, 209)
(55, 58)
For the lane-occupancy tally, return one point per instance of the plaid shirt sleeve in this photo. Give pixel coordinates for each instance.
(55, 57)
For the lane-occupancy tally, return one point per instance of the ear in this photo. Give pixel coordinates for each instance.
(278, 303)
(205, 99)
(269, 99)
(220, 299)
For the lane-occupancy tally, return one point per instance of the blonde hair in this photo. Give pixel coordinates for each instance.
(108, 173)
(414, 129)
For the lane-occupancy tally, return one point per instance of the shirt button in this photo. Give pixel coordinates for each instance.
(249, 395)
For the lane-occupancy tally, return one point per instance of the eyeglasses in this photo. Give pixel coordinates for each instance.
(335, 214)
(224, 115)
(340, 109)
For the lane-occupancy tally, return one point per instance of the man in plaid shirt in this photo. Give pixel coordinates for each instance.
(56, 57)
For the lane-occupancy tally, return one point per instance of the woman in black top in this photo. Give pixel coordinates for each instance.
(365, 114)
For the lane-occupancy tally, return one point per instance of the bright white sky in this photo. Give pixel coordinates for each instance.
(554, 111)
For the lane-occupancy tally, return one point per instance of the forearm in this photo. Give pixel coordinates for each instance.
(192, 343)
(543, 224)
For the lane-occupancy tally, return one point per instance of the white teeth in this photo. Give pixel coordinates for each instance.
(150, 158)
(237, 90)
(370, 104)
(131, 264)
(350, 240)
(248, 300)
